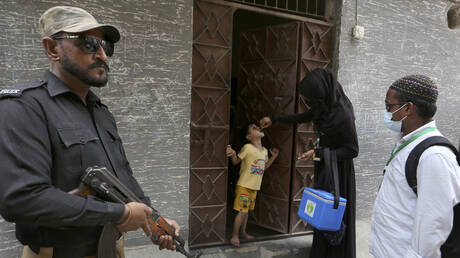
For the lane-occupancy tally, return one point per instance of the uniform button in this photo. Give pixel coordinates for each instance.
(82, 140)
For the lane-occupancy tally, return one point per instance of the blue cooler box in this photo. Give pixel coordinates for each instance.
(317, 209)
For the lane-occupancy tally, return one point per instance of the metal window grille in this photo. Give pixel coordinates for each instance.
(307, 8)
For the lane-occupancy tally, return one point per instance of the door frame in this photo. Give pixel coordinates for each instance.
(256, 9)
(223, 171)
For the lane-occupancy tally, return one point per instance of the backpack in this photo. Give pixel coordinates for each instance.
(450, 248)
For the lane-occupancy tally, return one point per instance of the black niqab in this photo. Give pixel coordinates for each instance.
(329, 104)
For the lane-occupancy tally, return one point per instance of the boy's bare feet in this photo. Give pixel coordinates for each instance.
(246, 235)
(235, 241)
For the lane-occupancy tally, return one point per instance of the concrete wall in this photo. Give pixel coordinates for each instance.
(148, 91)
(401, 37)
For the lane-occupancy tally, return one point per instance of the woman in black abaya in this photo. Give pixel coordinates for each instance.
(332, 114)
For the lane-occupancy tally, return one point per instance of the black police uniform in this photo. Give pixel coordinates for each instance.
(48, 137)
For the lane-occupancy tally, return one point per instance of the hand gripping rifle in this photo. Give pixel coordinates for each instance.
(100, 182)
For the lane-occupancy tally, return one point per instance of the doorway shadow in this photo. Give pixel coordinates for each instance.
(243, 20)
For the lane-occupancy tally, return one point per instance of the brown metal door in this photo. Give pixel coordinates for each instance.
(267, 85)
(316, 51)
(209, 125)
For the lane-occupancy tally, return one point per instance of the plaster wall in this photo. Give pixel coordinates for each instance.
(402, 37)
(148, 90)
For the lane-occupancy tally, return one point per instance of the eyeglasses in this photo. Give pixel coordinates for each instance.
(90, 44)
(389, 105)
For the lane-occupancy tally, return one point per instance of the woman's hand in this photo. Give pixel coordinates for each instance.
(265, 122)
(306, 155)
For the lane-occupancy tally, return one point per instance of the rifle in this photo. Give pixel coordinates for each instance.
(100, 182)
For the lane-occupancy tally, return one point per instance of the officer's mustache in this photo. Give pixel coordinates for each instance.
(99, 64)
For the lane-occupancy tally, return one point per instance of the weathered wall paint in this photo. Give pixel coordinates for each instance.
(401, 37)
(148, 91)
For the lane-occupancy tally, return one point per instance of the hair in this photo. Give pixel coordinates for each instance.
(243, 132)
(57, 34)
(425, 109)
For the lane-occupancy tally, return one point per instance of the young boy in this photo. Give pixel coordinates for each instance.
(254, 160)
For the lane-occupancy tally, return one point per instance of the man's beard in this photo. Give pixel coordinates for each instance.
(83, 75)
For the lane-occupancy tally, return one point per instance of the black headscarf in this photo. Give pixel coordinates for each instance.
(330, 107)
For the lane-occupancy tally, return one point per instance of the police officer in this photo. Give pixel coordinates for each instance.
(51, 130)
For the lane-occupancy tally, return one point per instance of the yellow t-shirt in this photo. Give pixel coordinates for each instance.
(252, 166)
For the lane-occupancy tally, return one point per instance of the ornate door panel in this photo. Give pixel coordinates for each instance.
(316, 51)
(209, 125)
(267, 85)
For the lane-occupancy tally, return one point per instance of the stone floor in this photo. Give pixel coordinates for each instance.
(288, 247)
(291, 247)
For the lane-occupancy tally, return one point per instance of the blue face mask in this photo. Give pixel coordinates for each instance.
(393, 125)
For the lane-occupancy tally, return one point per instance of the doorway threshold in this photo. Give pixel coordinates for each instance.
(279, 246)
(255, 239)
(273, 237)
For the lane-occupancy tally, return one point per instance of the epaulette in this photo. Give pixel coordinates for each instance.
(104, 105)
(17, 90)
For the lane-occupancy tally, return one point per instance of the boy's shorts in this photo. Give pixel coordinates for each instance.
(245, 199)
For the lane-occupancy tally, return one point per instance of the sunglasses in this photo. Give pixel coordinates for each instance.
(90, 44)
(389, 105)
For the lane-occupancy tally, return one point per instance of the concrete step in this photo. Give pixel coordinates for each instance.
(292, 247)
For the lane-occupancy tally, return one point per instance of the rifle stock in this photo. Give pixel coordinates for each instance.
(81, 191)
(100, 182)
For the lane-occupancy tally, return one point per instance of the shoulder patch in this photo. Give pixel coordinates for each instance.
(17, 90)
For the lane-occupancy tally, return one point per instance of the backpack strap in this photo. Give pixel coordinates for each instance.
(450, 248)
(414, 157)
